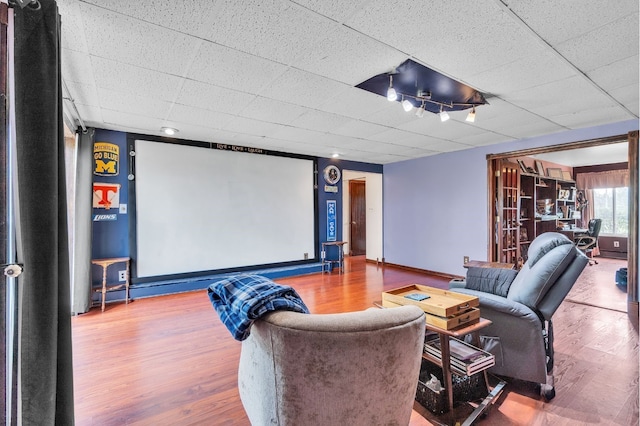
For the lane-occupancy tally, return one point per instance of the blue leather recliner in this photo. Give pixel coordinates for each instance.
(521, 303)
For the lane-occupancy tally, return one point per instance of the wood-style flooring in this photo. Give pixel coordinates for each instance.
(170, 361)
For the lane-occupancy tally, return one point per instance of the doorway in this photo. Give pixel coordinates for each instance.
(357, 217)
(371, 226)
(633, 238)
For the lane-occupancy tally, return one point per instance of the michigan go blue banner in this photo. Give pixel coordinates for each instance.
(332, 225)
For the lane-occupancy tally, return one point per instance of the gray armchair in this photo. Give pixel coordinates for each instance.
(356, 368)
(521, 303)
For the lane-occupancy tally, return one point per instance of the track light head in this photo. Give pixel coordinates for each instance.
(444, 115)
(407, 105)
(472, 115)
(392, 95)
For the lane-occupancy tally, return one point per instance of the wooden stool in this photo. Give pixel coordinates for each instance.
(105, 263)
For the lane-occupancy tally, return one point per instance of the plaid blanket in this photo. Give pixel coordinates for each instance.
(241, 299)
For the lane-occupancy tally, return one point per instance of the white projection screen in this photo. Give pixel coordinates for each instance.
(201, 209)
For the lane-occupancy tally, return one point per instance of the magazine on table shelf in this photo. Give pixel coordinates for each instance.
(465, 359)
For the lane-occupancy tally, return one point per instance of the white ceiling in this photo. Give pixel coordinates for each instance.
(280, 74)
(602, 154)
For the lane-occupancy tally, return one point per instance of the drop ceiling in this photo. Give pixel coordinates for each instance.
(281, 75)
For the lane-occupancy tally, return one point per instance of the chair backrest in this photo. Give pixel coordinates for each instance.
(594, 227)
(553, 266)
(357, 368)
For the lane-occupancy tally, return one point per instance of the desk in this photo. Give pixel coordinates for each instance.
(573, 233)
(105, 263)
(340, 261)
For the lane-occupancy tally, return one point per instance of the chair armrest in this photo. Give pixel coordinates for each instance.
(495, 303)
(585, 241)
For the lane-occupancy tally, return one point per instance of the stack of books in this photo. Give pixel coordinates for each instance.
(465, 358)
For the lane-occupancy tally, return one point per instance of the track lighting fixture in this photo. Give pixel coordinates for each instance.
(472, 115)
(391, 93)
(420, 89)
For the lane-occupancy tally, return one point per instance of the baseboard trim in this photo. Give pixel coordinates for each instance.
(424, 271)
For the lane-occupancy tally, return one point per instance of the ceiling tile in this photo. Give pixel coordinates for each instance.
(76, 67)
(348, 56)
(617, 74)
(319, 120)
(628, 96)
(337, 10)
(622, 42)
(357, 128)
(85, 92)
(115, 36)
(594, 114)
(249, 126)
(558, 21)
(391, 135)
(303, 88)
(199, 117)
(128, 78)
(133, 104)
(355, 103)
(265, 109)
(270, 29)
(73, 37)
(521, 74)
(391, 115)
(482, 139)
(240, 71)
(187, 16)
(300, 135)
(132, 122)
(531, 129)
(215, 98)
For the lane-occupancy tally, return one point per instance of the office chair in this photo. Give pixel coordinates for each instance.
(588, 242)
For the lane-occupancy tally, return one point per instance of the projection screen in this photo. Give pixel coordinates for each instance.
(202, 209)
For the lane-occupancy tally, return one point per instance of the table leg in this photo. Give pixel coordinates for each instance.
(446, 367)
(126, 283)
(104, 285)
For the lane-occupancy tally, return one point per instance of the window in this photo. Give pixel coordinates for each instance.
(612, 206)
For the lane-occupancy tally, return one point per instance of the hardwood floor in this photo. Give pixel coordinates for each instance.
(170, 361)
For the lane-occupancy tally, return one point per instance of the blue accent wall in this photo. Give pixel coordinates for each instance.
(110, 238)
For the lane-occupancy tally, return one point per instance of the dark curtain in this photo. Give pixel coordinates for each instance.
(46, 369)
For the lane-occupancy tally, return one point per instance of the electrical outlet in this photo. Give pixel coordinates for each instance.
(465, 259)
(122, 275)
(616, 243)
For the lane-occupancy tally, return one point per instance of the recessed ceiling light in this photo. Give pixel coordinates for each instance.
(335, 155)
(169, 131)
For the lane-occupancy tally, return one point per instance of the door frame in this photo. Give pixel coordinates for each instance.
(634, 209)
(374, 215)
